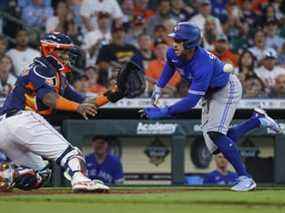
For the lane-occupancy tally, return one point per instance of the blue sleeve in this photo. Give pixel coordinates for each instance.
(41, 81)
(167, 72)
(118, 175)
(71, 94)
(201, 79)
(184, 105)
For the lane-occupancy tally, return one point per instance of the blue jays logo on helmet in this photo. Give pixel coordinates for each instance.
(188, 33)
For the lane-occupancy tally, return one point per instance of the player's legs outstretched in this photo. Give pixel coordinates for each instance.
(259, 119)
(216, 118)
(28, 132)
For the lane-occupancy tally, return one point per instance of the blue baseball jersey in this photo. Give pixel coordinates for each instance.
(216, 177)
(110, 171)
(204, 71)
(40, 78)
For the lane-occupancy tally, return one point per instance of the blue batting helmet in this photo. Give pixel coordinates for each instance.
(188, 33)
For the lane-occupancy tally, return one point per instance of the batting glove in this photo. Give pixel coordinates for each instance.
(155, 96)
(155, 113)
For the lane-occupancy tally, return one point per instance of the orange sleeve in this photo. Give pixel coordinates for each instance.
(65, 104)
(101, 100)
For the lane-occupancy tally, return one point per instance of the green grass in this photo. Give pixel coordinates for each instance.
(204, 200)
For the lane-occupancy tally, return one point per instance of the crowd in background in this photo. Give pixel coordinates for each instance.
(250, 34)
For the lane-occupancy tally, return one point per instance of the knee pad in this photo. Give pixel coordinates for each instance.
(72, 161)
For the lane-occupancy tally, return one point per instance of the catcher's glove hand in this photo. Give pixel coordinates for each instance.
(130, 82)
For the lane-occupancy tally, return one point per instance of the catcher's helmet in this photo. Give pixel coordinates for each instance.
(57, 41)
(188, 33)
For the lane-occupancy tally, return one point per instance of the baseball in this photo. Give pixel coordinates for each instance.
(228, 68)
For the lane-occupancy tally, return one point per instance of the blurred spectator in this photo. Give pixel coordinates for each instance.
(281, 56)
(210, 34)
(219, 9)
(246, 64)
(145, 45)
(268, 13)
(155, 68)
(90, 8)
(253, 87)
(203, 14)
(278, 90)
(259, 47)
(163, 12)
(258, 5)
(93, 40)
(269, 71)
(179, 11)
(94, 81)
(223, 52)
(22, 55)
(7, 79)
(137, 27)
(169, 25)
(102, 165)
(273, 40)
(248, 16)
(25, 3)
(127, 7)
(160, 33)
(3, 45)
(81, 84)
(36, 14)
(10, 27)
(233, 27)
(141, 9)
(72, 30)
(221, 176)
(57, 22)
(117, 51)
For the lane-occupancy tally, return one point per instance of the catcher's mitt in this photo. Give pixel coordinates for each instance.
(131, 80)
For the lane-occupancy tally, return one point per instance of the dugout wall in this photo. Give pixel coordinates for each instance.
(178, 130)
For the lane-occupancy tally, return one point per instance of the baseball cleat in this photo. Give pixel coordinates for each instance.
(266, 121)
(81, 183)
(90, 186)
(244, 184)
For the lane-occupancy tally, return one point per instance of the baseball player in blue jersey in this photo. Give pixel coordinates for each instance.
(103, 165)
(27, 138)
(220, 92)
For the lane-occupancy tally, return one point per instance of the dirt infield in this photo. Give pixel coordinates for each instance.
(129, 190)
(56, 191)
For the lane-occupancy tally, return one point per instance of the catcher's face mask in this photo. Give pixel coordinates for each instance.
(6, 177)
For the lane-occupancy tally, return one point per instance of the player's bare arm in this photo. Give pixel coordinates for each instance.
(58, 102)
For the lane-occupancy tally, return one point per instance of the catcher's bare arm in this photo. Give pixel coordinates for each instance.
(58, 102)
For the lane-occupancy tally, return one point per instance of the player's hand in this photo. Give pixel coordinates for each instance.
(86, 109)
(154, 113)
(155, 96)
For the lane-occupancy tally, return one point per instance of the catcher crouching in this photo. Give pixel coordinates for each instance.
(41, 89)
